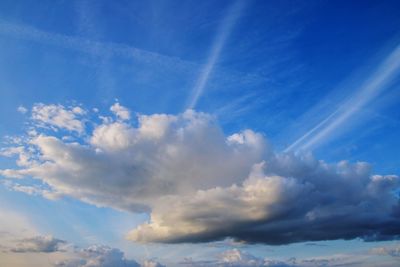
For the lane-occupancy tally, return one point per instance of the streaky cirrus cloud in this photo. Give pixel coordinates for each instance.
(371, 87)
(75, 43)
(223, 33)
(199, 184)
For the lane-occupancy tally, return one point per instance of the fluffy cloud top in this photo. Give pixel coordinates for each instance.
(120, 111)
(201, 185)
(99, 256)
(103, 256)
(152, 263)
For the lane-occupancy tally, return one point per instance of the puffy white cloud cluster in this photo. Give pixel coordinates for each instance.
(201, 185)
(58, 117)
(22, 109)
(236, 257)
(103, 256)
(120, 111)
(130, 167)
(152, 263)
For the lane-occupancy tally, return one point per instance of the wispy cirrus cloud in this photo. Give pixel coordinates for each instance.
(223, 32)
(102, 49)
(370, 89)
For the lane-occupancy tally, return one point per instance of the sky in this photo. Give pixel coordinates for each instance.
(199, 133)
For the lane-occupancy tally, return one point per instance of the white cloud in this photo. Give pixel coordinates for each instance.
(78, 110)
(238, 258)
(98, 256)
(130, 168)
(201, 185)
(152, 263)
(393, 251)
(22, 109)
(371, 88)
(223, 33)
(120, 111)
(58, 117)
(102, 256)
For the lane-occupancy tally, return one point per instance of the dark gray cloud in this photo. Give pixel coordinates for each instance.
(286, 199)
(45, 244)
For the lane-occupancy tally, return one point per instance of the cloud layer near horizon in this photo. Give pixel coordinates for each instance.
(199, 184)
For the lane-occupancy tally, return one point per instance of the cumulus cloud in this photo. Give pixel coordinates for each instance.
(283, 201)
(236, 257)
(98, 256)
(152, 263)
(120, 111)
(199, 184)
(58, 117)
(45, 244)
(130, 168)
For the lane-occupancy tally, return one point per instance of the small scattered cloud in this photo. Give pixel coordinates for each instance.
(22, 109)
(58, 117)
(100, 256)
(239, 258)
(393, 251)
(45, 244)
(120, 111)
(152, 263)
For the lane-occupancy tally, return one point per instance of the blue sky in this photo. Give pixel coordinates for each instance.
(158, 103)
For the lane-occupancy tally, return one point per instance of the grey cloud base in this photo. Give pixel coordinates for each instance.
(44, 244)
(324, 202)
(198, 184)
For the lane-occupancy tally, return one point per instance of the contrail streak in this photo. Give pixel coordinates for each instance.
(29, 33)
(369, 90)
(223, 32)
